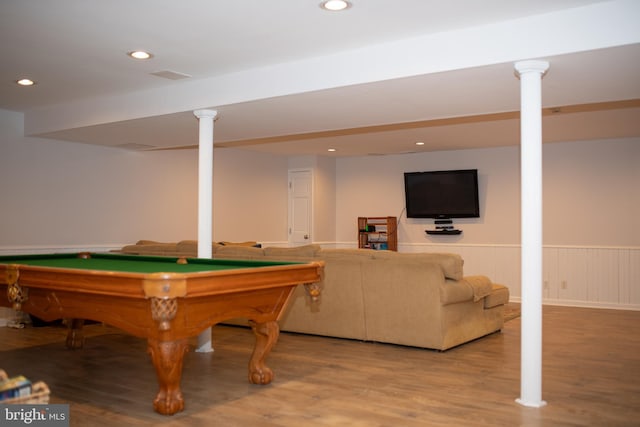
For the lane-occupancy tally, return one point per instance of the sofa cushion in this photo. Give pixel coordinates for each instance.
(190, 247)
(187, 247)
(451, 263)
(147, 242)
(248, 243)
(298, 251)
(454, 291)
(499, 295)
(346, 253)
(150, 249)
(239, 251)
(481, 286)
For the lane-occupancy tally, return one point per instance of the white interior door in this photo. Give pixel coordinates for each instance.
(300, 198)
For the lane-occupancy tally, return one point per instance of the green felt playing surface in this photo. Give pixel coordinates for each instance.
(132, 263)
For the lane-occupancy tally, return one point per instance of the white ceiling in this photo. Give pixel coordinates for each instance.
(287, 77)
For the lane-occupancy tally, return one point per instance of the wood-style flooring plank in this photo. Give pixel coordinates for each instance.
(591, 377)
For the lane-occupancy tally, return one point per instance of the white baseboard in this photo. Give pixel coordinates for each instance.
(584, 304)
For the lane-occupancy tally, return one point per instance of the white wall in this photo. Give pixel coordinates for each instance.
(67, 195)
(61, 193)
(590, 194)
(324, 206)
(249, 196)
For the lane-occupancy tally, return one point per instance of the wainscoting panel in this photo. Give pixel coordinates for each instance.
(550, 281)
(573, 276)
(603, 266)
(630, 278)
(508, 269)
(606, 277)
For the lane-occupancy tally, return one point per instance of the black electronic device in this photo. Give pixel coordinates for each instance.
(442, 221)
(444, 227)
(442, 194)
(444, 232)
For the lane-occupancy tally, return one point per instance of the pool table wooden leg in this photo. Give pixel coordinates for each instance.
(75, 335)
(167, 358)
(266, 336)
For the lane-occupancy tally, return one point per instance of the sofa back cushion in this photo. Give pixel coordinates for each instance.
(451, 264)
(187, 247)
(306, 251)
(246, 243)
(355, 254)
(240, 252)
(150, 248)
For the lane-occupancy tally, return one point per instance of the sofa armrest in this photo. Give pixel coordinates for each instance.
(455, 291)
(499, 296)
(474, 288)
(481, 286)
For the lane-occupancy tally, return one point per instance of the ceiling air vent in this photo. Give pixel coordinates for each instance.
(171, 75)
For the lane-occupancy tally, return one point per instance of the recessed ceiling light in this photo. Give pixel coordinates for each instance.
(139, 54)
(331, 150)
(335, 5)
(25, 82)
(419, 143)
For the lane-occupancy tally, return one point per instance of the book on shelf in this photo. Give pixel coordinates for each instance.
(377, 237)
(18, 386)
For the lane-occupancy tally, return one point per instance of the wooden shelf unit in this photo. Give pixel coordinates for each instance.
(378, 232)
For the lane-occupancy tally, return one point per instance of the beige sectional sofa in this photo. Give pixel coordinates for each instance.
(414, 299)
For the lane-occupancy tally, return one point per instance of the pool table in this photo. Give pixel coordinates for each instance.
(165, 300)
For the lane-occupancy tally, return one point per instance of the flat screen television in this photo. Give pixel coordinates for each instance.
(442, 194)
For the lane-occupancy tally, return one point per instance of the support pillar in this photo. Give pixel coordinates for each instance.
(205, 201)
(530, 73)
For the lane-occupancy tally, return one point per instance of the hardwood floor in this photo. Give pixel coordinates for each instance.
(591, 377)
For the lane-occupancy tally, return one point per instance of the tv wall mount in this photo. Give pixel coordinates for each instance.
(444, 227)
